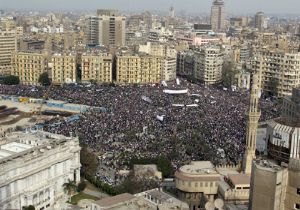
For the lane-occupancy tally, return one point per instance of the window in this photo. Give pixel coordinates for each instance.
(297, 206)
(298, 191)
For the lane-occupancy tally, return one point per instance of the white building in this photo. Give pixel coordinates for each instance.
(34, 167)
(208, 64)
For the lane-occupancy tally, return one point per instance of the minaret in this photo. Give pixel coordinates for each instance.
(252, 122)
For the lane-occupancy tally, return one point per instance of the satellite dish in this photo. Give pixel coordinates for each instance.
(210, 206)
(219, 203)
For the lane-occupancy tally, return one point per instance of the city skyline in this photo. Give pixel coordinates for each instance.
(193, 6)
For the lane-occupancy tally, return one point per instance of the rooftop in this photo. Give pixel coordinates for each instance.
(198, 168)
(107, 202)
(239, 179)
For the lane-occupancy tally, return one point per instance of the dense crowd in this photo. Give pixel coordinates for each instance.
(142, 121)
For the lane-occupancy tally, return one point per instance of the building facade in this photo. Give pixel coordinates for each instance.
(208, 65)
(280, 68)
(8, 45)
(138, 69)
(291, 105)
(259, 21)
(28, 66)
(96, 67)
(268, 186)
(34, 167)
(64, 68)
(217, 16)
(107, 28)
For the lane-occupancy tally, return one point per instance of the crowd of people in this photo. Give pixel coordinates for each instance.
(142, 121)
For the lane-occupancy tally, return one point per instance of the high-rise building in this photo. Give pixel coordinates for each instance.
(28, 66)
(107, 28)
(96, 67)
(64, 68)
(34, 167)
(172, 12)
(252, 123)
(8, 44)
(260, 21)
(92, 32)
(208, 64)
(217, 16)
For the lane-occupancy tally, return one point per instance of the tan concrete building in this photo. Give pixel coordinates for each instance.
(97, 67)
(107, 28)
(28, 66)
(8, 44)
(64, 68)
(208, 65)
(217, 16)
(268, 186)
(138, 69)
(291, 105)
(168, 53)
(280, 66)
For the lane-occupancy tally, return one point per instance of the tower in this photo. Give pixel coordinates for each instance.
(253, 116)
(217, 17)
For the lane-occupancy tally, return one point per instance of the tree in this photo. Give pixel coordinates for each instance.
(11, 80)
(44, 79)
(30, 207)
(88, 161)
(81, 186)
(228, 73)
(273, 86)
(70, 188)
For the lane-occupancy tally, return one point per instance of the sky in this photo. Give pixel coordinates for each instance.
(194, 6)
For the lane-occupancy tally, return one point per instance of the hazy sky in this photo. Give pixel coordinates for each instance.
(195, 6)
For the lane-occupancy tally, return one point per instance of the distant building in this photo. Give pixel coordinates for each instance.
(34, 167)
(28, 66)
(27, 45)
(260, 21)
(217, 16)
(8, 45)
(107, 28)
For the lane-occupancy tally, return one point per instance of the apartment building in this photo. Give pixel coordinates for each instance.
(8, 44)
(208, 64)
(279, 66)
(97, 67)
(28, 66)
(64, 68)
(138, 69)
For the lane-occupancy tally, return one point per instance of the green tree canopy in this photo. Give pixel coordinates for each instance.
(70, 187)
(44, 79)
(88, 162)
(30, 207)
(273, 86)
(228, 72)
(11, 80)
